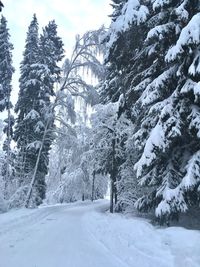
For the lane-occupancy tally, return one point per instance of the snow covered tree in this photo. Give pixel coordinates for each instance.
(167, 136)
(108, 144)
(6, 72)
(51, 52)
(124, 39)
(124, 60)
(3, 204)
(39, 72)
(73, 173)
(70, 175)
(157, 71)
(86, 55)
(27, 107)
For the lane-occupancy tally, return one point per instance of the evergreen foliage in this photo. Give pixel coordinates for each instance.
(6, 68)
(6, 72)
(160, 77)
(168, 136)
(39, 72)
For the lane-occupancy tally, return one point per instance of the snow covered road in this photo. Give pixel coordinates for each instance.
(50, 237)
(80, 235)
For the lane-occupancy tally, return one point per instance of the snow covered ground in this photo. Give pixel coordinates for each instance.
(83, 235)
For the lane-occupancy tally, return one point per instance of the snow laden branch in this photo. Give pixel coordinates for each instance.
(87, 54)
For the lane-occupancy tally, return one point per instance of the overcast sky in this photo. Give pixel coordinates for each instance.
(72, 17)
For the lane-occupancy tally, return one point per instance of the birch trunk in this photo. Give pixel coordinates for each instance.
(36, 168)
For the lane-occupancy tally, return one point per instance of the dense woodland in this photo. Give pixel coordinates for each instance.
(135, 128)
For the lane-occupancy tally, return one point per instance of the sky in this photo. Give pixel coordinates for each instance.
(72, 17)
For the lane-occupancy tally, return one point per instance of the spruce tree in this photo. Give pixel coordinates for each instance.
(167, 137)
(51, 52)
(159, 79)
(35, 117)
(27, 104)
(6, 72)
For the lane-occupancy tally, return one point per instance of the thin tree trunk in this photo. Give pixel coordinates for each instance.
(115, 192)
(93, 181)
(83, 197)
(111, 196)
(112, 176)
(7, 178)
(36, 168)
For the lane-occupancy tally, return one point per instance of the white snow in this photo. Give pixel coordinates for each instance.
(172, 198)
(132, 12)
(159, 3)
(195, 66)
(154, 89)
(181, 11)
(193, 172)
(160, 31)
(191, 86)
(194, 119)
(32, 115)
(34, 145)
(155, 140)
(190, 34)
(83, 235)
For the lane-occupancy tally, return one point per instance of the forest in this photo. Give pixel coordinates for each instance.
(120, 116)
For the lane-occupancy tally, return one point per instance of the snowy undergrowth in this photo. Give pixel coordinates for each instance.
(137, 243)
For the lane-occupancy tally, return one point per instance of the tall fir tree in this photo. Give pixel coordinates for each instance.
(6, 72)
(27, 105)
(35, 117)
(51, 52)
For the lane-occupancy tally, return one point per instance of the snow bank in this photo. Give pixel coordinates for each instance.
(137, 243)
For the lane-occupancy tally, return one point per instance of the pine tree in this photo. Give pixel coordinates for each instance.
(6, 72)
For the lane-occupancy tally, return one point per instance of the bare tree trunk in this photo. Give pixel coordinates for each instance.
(115, 192)
(93, 181)
(83, 197)
(36, 168)
(113, 179)
(111, 196)
(7, 178)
